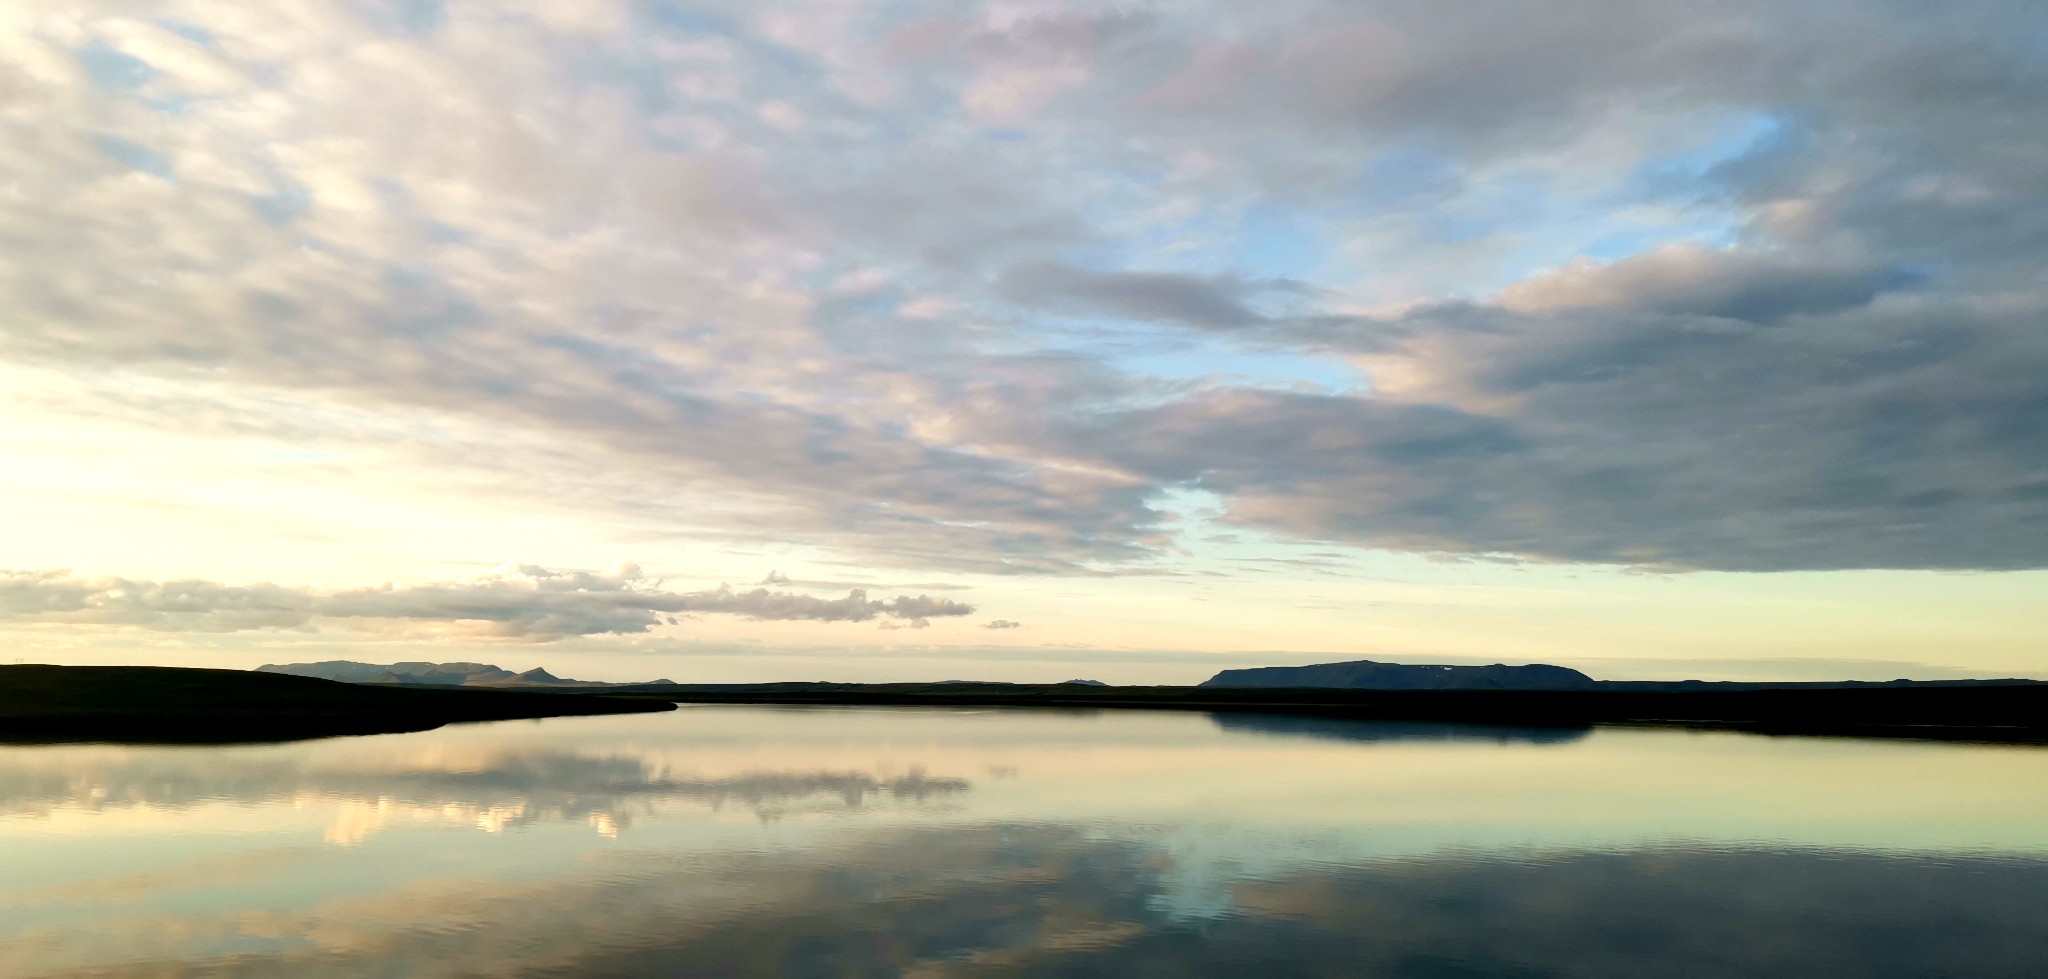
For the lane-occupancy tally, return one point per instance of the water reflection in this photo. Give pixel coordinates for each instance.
(1013, 901)
(493, 792)
(1344, 729)
(832, 843)
(1057, 901)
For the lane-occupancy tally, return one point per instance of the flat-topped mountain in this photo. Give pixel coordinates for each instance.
(1366, 674)
(434, 674)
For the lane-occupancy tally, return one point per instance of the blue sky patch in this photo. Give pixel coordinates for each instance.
(279, 209)
(111, 68)
(1676, 177)
(1278, 242)
(190, 32)
(418, 18)
(136, 156)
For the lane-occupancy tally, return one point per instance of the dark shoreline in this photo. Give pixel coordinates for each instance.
(171, 705)
(174, 705)
(1992, 712)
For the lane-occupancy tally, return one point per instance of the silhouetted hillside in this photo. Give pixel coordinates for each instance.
(173, 705)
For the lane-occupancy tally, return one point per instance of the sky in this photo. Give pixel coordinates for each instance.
(859, 340)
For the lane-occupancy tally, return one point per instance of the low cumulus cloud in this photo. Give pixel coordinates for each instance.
(523, 602)
(1002, 624)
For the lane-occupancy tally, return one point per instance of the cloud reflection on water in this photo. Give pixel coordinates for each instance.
(492, 792)
(1051, 900)
(812, 842)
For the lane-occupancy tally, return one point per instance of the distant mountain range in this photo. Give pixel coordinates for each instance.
(1362, 674)
(435, 674)
(491, 675)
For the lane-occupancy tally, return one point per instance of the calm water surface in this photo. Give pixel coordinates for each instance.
(722, 841)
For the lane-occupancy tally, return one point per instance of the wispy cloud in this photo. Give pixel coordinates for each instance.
(523, 602)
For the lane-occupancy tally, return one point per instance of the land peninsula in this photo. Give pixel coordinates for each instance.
(173, 705)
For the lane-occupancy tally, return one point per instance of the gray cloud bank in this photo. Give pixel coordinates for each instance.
(818, 263)
(525, 603)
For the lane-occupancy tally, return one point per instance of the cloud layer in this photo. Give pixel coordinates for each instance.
(525, 603)
(977, 288)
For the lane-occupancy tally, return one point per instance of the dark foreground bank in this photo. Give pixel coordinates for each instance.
(1992, 712)
(171, 705)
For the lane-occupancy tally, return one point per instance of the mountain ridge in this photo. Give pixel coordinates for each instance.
(433, 674)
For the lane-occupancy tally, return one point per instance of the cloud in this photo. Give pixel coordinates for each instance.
(1881, 437)
(1741, 284)
(517, 602)
(1629, 283)
(1002, 624)
(1209, 302)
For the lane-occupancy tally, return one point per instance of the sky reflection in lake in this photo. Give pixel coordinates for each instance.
(723, 841)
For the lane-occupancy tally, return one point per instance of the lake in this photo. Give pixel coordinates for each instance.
(723, 841)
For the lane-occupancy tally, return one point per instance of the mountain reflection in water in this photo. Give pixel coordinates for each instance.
(729, 841)
(1345, 729)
